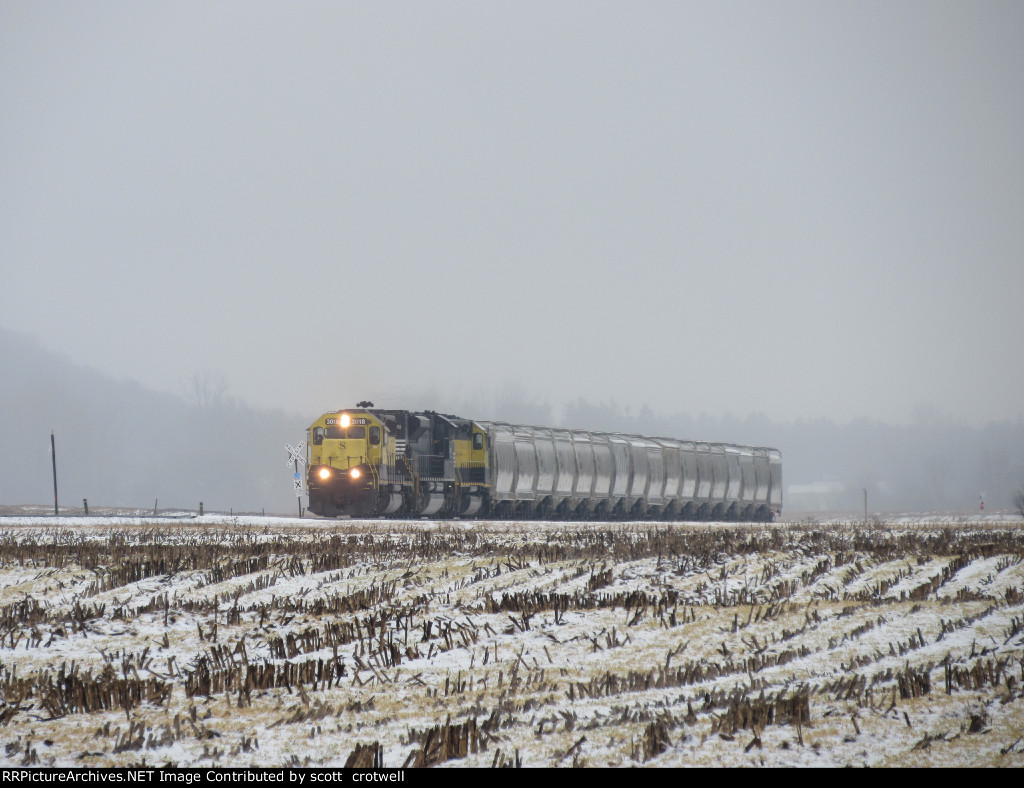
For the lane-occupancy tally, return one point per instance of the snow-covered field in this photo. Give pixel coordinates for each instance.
(234, 641)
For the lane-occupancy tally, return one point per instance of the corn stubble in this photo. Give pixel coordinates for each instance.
(497, 645)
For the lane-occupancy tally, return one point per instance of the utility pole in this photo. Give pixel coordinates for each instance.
(53, 456)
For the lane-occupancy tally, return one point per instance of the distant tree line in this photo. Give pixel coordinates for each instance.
(933, 464)
(119, 444)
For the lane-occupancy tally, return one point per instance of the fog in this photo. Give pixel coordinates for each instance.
(119, 444)
(790, 212)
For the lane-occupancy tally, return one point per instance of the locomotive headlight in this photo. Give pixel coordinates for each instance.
(325, 473)
(345, 420)
(355, 473)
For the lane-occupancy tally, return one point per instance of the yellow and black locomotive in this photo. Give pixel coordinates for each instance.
(370, 462)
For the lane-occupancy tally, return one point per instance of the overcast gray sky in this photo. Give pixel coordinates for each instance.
(803, 209)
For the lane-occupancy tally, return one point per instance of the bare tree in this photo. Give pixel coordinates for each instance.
(206, 390)
(1018, 501)
(512, 403)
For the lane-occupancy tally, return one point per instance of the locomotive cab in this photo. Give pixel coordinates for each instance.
(347, 450)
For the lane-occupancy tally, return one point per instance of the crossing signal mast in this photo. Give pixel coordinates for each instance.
(296, 456)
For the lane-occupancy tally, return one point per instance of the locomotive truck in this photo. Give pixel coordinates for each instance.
(371, 462)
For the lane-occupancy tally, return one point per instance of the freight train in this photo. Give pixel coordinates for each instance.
(370, 462)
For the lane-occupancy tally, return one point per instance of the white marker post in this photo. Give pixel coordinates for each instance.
(295, 456)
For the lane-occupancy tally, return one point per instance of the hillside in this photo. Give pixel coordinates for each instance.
(120, 444)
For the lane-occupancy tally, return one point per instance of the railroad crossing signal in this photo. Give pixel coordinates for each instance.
(295, 456)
